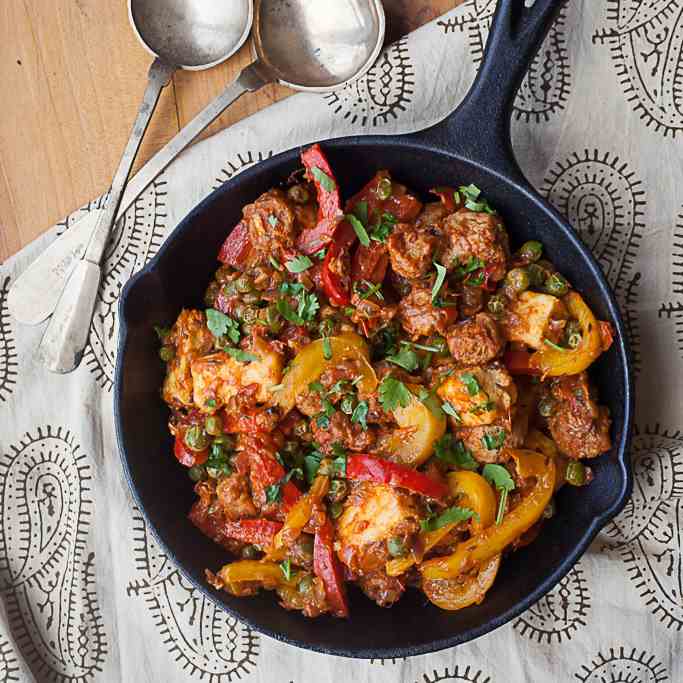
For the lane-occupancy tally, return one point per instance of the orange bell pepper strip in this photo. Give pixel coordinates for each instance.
(300, 514)
(474, 492)
(451, 594)
(556, 362)
(328, 569)
(492, 541)
(310, 363)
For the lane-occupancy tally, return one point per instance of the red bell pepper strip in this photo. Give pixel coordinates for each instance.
(259, 532)
(370, 263)
(606, 334)
(237, 247)
(446, 195)
(337, 259)
(186, 456)
(266, 471)
(367, 468)
(519, 363)
(329, 202)
(328, 569)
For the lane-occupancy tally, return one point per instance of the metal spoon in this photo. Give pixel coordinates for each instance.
(191, 34)
(308, 46)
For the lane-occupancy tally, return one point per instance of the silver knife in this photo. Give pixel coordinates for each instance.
(33, 296)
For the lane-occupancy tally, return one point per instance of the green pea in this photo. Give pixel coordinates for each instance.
(396, 547)
(576, 473)
(249, 315)
(346, 405)
(496, 304)
(537, 275)
(338, 490)
(384, 188)
(546, 406)
(518, 279)
(335, 510)
(229, 288)
(531, 250)
(243, 284)
(306, 583)
(167, 353)
(196, 438)
(197, 473)
(250, 552)
(298, 194)
(213, 425)
(572, 334)
(556, 285)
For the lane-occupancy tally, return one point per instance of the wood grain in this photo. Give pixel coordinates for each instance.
(71, 78)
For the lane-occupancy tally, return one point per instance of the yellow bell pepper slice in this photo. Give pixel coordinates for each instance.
(452, 594)
(310, 363)
(555, 362)
(539, 442)
(267, 573)
(419, 428)
(493, 540)
(475, 493)
(298, 517)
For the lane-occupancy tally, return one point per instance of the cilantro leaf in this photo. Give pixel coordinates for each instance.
(308, 306)
(470, 382)
(448, 408)
(359, 229)
(405, 358)
(339, 462)
(360, 414)
(501, 479)
(360, 211)
(440, 279)
(240, 355)
(493, 441)
(162, 332)
(285, 309)
(273, 493)
(392, 393)
(553, 345)
(272, 220)
(221, 325)
(286, 569)
(453, 451)
(472, 264)
(298, 264)
(311, 465)
(327, 348)
(430, 399)
(372, 289)
(452, 515)
(323, 179)
(384, 228)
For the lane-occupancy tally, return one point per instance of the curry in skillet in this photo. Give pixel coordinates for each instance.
(380, 392)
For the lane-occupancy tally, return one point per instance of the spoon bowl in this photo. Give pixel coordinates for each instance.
(315, 46)
(191, 34)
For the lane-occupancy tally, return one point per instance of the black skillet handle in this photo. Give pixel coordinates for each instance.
(479, 129)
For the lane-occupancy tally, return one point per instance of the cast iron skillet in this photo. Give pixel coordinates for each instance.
(471, 145)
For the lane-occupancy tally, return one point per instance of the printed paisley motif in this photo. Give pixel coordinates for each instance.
(46, 569)
(8, 353)
(207, 642)
(622, 666)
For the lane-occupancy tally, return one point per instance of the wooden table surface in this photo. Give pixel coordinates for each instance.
(71, 78)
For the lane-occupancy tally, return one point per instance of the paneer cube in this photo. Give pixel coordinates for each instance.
(479, 395)
(217, 377)
(529, 316)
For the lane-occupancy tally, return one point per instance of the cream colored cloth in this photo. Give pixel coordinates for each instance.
(86, 595)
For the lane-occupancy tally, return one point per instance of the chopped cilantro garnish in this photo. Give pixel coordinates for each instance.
(162, 332)
(553, 345)
(359, 229)
(371, 289)
(298, 264)
(384, 228)
(286, 568)
(221, 325)
(323, 179)
(440, 279)
(470, 382)
(501, 479)
(405, 358)
(448, 408)
(311, 465)
(360, 414)
(327, 349)
(275, 263)
(307, 304)
(493, 441)
(272, 220)
(360, 211)
(453, 451)
(392, 393)
(484, 407)
(320, 255)
(472, 264)
(240, 355)
(210, 403)
(452, 515)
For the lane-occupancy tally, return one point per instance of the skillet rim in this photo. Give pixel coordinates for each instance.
(415, 141)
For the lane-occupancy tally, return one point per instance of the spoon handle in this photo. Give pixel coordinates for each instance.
(65, 338)
(34, 294)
